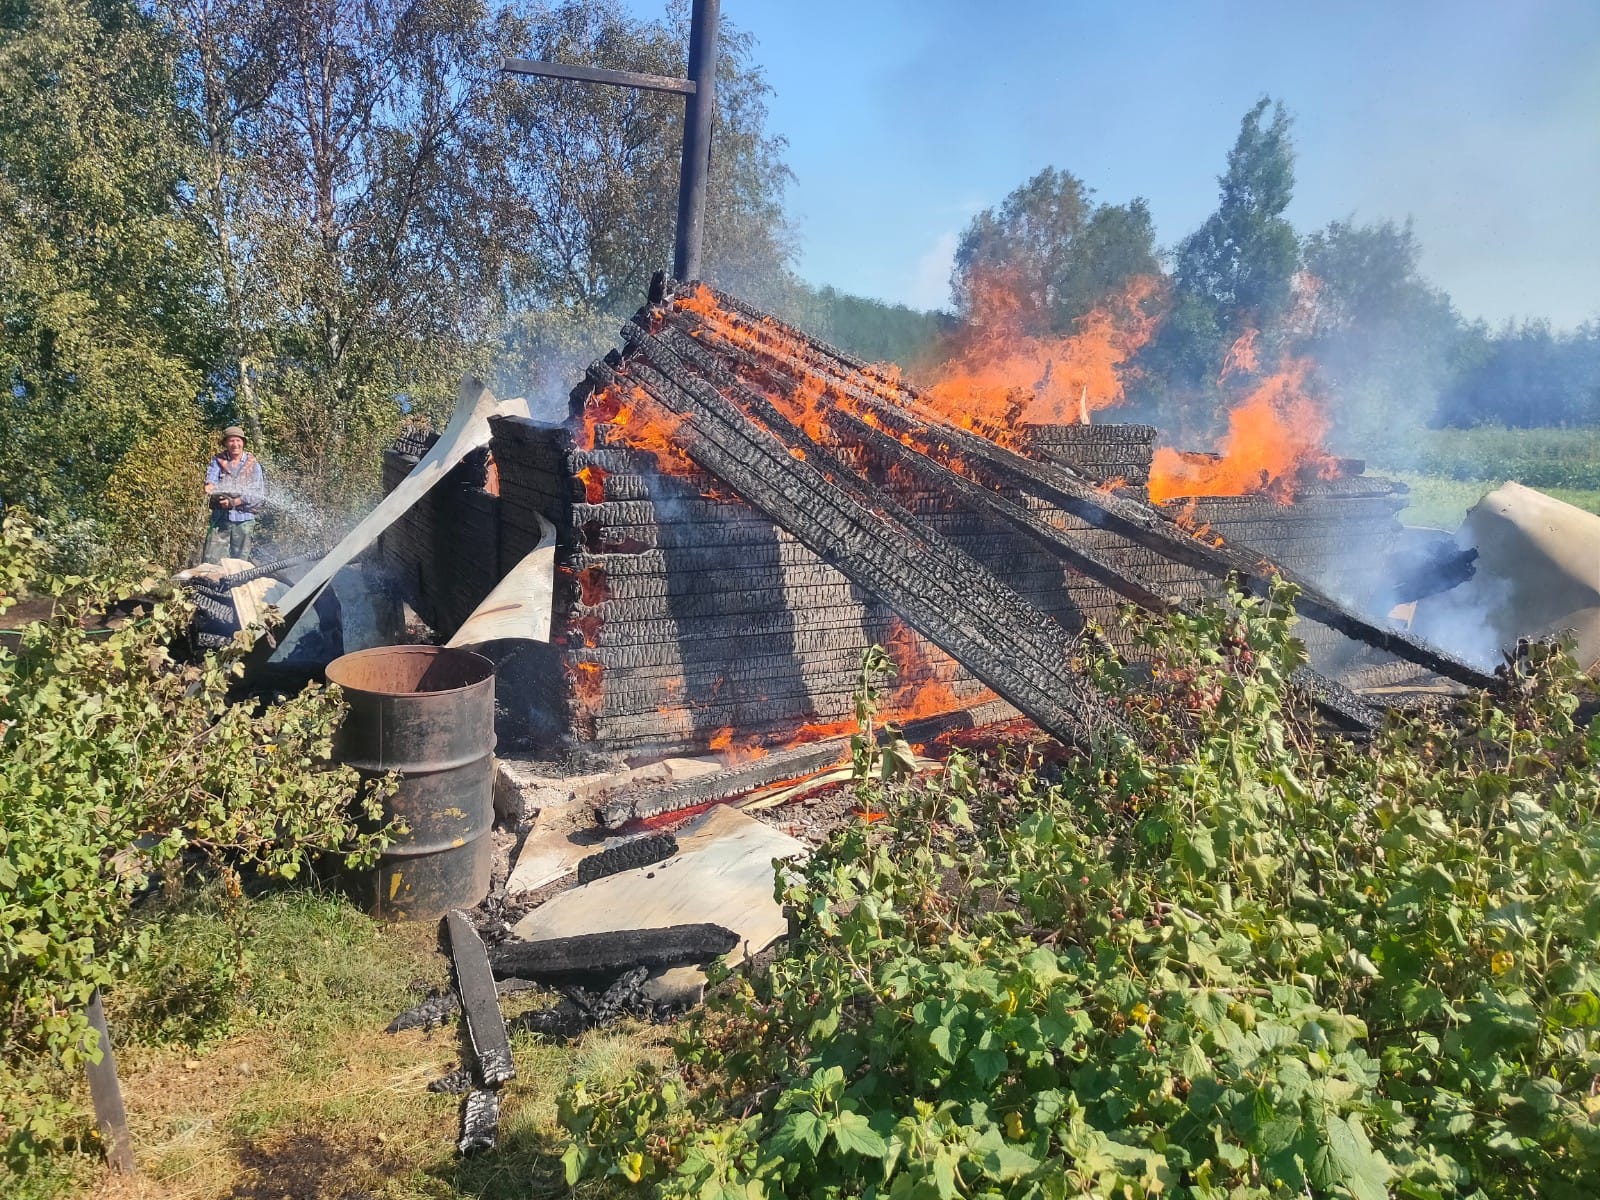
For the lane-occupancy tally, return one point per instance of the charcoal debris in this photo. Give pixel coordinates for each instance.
(454, 1083)
(581, 1010)
(640, 852)
(480, 1121)
(437, 1007)
(442, 1003)
(622, 996)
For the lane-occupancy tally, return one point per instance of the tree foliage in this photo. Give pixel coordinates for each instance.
(104, 325)
(1384, 338)
(595, 173)
(311, 217)
(1524, 375)
(1062, 253)
(1231, 275)
(352, 195)
(1238, 265)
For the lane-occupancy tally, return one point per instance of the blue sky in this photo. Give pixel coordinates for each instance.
(1480, 121)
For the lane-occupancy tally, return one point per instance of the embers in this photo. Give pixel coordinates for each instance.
(593, 586)
(593, 478)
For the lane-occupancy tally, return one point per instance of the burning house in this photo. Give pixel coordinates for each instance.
(741, 511)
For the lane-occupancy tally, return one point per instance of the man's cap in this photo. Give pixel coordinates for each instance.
(232, 431)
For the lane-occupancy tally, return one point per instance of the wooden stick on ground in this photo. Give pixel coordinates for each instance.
(106, 1092)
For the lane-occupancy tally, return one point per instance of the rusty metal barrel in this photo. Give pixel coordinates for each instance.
(426, 712)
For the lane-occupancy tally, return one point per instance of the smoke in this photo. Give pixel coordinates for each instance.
(1463, 620)
(543, 354)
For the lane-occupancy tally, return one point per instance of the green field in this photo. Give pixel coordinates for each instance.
(1450, 470)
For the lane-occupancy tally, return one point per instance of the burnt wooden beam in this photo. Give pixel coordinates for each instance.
(641, 852)
(106, 1092)
(653, 799)
(816, 472)
(1154, 529)
(480, 1002)
(1124, 582)
(1333, 700)
(943, 593)
(632, 79)
(607, 953)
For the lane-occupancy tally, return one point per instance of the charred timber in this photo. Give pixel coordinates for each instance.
(1139, 521)
(1120, 580)
(591, 954)
(641, 852)
(480, 1002)
(878, 514)
(652, 800)
(1335, 702)
(1149, 526)
(941, 592)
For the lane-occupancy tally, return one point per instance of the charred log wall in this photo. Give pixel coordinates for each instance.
(531, 459)
(684, 613)
(693, 614)
(445, 549)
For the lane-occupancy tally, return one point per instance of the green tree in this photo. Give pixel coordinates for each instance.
(1234, 273)
(354, 206)
(594, 173)
(1063, 253)
(1383, 336)
(104, 318)
(872, 329)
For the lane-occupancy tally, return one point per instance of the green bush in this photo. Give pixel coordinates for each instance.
(1238, 961)
(122, 766)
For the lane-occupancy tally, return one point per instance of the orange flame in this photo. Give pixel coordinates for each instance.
(637, 420)
(735, 750)
(587, 681)
(593, 587)
(1009, 372)
(1273, 443)
(594, 484)
(918, 692)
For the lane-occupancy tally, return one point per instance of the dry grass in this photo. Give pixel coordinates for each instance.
(308, 1097)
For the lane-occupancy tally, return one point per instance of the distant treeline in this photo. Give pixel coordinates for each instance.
(1391, 351)
(1525, 376)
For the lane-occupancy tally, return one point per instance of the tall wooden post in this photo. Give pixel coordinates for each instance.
(700, 112)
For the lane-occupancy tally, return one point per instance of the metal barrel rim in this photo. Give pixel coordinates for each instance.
(364, 670)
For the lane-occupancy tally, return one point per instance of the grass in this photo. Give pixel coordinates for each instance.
(1450, 470)
(1539, 458)
(1441, 503)
(293, 1087)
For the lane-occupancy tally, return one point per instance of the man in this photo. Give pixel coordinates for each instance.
(235, 487)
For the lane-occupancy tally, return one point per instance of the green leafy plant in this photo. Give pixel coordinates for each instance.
(123, 767)
(1241, 960)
